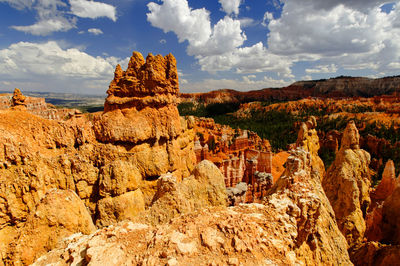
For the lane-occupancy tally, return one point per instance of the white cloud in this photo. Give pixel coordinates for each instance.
(332, 68)
(337, 33)
(268, 16)
(53, 17)
(217, 48)
(19, 4)
(226, 37)
(46, 26)
(45, 63)
(95, 31)
(176, 16)
(247, 22)
(230, 6)
(243, 84)
(306, 77)
(92, 9)
(163, 41)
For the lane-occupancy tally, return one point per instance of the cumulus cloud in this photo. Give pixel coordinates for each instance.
(95, 31)
(52, 15)
(45, 27)
(92, 9)
(19, 4)
(244, 84)
(230, 6)
(348, 37)
(176, 16)
(38, 61)
(332, 68)
(218, 47)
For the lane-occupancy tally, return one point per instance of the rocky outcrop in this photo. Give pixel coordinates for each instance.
(308, 140)
(297, 226)
(36, 106)
(111, 160)
(59, 214)
(141, 111)
(241, 155)
(375, 254)
(347, 185)
(204, 188)
(18, 99)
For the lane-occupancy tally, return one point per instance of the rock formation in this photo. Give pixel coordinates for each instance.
(296, 226)
(59, 214)
(347, 185)
(340, 87)
(18, 98)
(111, 160)
(308, 140)
(35, 105)
(241, 156)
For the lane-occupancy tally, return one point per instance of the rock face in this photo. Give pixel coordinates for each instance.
(18, 99)
(59, 214)
(387, 185)
(297, 226)
(241, 155)
(308, 140)
(111, 160)
(347, 185)
(204, 188)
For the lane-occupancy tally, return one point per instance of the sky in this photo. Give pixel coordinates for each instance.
(74, 45)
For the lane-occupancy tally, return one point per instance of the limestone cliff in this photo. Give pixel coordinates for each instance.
(347, 185)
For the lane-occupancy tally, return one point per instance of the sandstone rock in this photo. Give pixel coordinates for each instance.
(391, 218)
(387, 185)
(204, 188)
(375, 254)
(109, 159)
(59, 214)
(308, 140)
(347, 185)
(123, 207)
(303, 208)
(297, 226)
(18, 98)
(151, 82)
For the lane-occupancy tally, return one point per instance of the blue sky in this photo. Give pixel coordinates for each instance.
(74, 45)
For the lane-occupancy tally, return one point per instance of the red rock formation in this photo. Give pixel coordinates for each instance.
(347, 185)
(36, 106)
(296, 226)
(339, 87)
(240, 155)
(111, 161)
(18, 99)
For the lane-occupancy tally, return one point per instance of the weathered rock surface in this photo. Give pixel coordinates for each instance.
(18, 98)
(296, 226)
(308, 140)
(59, 214)
(375, 254)
(111, 160)
(204, 188)
(241, 155)
(347, 185)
